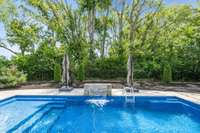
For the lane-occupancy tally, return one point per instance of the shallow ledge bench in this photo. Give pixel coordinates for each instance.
(97, 89)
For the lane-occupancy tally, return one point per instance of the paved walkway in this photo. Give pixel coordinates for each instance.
(195, 97)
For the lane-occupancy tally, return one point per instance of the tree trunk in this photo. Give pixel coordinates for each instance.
(134, 16)
(65, 74)
(130, 70)
(91, 24)
(121, 22)
(104, 35)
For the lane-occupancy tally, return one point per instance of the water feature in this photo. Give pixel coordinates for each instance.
(100, 89)
(98, 102)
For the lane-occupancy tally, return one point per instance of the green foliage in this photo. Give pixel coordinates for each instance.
(57, 72)
(106, 68)
(7, 10)
(22, 35)
(40, 65)
(81, 72)
(147, 68)
(3, 62)
(167, 73)
(10, 77)
(48, 29)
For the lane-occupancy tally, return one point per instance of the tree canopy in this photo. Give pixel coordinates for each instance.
(104, 39)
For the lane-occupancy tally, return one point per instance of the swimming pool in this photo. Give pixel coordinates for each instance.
(82, 114)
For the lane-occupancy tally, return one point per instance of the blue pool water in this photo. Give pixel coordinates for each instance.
(79, 114)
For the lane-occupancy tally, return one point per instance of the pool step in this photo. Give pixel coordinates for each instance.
(44, 123)
(33, 118)
(41, 99)
(70, 120)
(2, 103)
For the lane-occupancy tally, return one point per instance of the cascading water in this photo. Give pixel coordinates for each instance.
(98, 102)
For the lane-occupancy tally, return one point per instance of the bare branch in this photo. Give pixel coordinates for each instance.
(2, 45)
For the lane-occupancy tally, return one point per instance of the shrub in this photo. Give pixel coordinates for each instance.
(167, 73)
(10, 77)
(106, 68)
(57, 72)
(3, 62)
(81, 72)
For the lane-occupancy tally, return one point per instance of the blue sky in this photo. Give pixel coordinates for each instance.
(172, 2)
(7, 54)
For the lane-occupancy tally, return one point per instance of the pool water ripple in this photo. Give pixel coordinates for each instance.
(98, 115)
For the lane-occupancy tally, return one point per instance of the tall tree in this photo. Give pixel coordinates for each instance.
(137, 10)
(7, 12)
(90, 8)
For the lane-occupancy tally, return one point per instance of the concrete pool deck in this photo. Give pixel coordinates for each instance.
(194, 97)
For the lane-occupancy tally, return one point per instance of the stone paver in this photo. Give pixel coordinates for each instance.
(195, 97)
